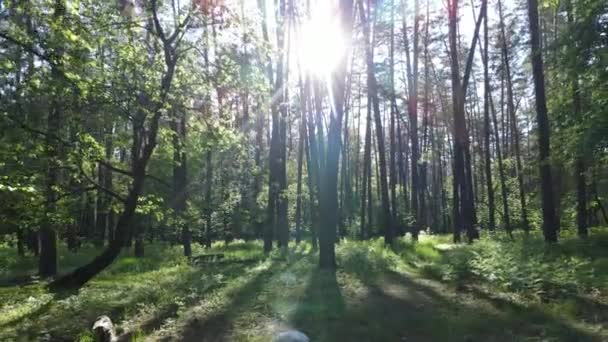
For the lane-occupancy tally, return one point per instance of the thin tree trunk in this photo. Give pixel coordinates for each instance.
(506, 215)
(329, 198)
(178, 125)
(301, 143)
(372, 88)
(412, 101)
(47, 262)
(367, 172)
(464, 209)
(581, 183)
(208, 199)
(486, 122)
(513, 123)
(393, 111)
(550, 225)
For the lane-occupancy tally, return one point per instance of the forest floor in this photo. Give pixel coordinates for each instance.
(494, 290)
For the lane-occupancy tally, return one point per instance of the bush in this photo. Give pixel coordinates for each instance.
(366, 259)
(527, 265)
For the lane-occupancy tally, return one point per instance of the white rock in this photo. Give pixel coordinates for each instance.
(104, 329)
(291, 336)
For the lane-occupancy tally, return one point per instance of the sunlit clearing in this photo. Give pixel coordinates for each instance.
(321, 41)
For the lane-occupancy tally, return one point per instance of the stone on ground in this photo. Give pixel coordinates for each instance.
(103, 329)
(291, 336)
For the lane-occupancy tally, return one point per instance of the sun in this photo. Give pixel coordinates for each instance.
(321, 42)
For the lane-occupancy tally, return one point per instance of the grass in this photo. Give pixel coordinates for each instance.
(495, 290)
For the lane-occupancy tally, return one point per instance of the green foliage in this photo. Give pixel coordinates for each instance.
(529, 266)
(366, 260)
(247, 296)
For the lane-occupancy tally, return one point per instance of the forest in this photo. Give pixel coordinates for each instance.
(303, 170)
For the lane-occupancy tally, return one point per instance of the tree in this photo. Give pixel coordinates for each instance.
(144, 143)
(329, 195)
(372, 88)
(47, 265)
(550, 226)
(412, 108)
(486, 125)
(513, 120)
(463, 206)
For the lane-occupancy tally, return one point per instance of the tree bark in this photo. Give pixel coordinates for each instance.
(412, 108)
(47, 262)
(550, 226)
(513, 123)
(367, 168)
(143, 145)
(464, 209)
(486, 122)
(178, 126)
(373, 91)
(329, 198)
(581, 183)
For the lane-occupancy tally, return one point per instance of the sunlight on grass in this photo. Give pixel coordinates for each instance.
(472, 289)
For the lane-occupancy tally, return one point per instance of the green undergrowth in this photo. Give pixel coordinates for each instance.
(432, 290)
(527, 265)
(132, 290)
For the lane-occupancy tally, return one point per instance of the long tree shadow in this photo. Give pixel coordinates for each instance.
(395, 307)
(66, 322)
(321, 307)
(505, 320)
(218, 324)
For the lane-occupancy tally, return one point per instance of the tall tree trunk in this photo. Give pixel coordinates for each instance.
(314, 171)
(506, 215)
(274, 151)
(47, 262)
(513, 123)
(393, 111)
(208, 199)
(367, 169)
(372, 87)
(281, 86)
(550, 225)
(412, 108)
(178, 126)
(301, 144)
(486, 124)
(581, 183)
(401, 158)
(581, 198)
(464, 209)
(329, 198)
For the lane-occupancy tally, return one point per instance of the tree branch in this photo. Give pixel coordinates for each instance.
(113, 168)
(42, 56)
(99, 186)
(469, 65)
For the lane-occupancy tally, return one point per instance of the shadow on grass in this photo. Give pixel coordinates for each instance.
(532, 316)
(117, 297)
(321, 306)
(20, 280)
(217, 326)
(468, 319)
(395, 307)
